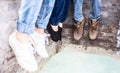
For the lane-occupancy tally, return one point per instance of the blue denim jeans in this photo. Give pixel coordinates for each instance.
(95, 11)
(34, 13)
(60, 12)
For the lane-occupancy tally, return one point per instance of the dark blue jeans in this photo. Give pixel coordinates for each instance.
(59, 12)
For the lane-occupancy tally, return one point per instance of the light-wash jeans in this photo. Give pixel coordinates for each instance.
(95, 11)
(34, 13)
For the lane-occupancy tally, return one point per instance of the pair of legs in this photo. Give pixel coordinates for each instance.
(80, 19)
(58, 16)
(33, 19)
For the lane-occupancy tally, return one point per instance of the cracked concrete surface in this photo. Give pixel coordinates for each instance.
(106, 39)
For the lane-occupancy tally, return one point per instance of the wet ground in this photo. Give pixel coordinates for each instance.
(105, 44)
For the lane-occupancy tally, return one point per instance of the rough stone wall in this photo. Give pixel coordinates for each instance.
(9, 15)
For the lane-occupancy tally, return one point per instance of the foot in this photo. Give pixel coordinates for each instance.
(78, 31)
(23, 38)
(55, 32)
(55, 28)
(38, 39)
(23, 52)
(93, 29)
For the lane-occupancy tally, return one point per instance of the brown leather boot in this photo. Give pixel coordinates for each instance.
(93, 29)
(78, 30)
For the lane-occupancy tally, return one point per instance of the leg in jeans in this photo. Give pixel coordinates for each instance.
(59, 15)
(28, 15)
(60, 12)
(41, 24)
(40, 15)
(96, 9)
(94, 16)
(79, 19)
(19, 41)
(63, 18)
(78, 13)
(45, 13)
(57, 12)
(65, 11)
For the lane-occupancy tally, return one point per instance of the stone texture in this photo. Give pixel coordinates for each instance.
(9, 14)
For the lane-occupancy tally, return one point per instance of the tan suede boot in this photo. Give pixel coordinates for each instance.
(93, 29)
(78, 30)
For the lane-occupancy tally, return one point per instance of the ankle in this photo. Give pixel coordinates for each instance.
(55, 28)
(39, 31)
(23, 38)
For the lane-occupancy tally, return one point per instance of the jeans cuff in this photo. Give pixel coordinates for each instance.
(25, 28)
(78, 20)
(42, 25)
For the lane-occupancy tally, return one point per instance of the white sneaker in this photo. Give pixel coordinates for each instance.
(39, 44)
(23, 53)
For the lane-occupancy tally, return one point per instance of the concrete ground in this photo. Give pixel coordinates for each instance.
(71, 61)
(105, 44)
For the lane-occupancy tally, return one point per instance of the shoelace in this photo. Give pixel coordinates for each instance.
(78, 26)
(46, 42)
(33, 50)
(94, 26)
(46, 38)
